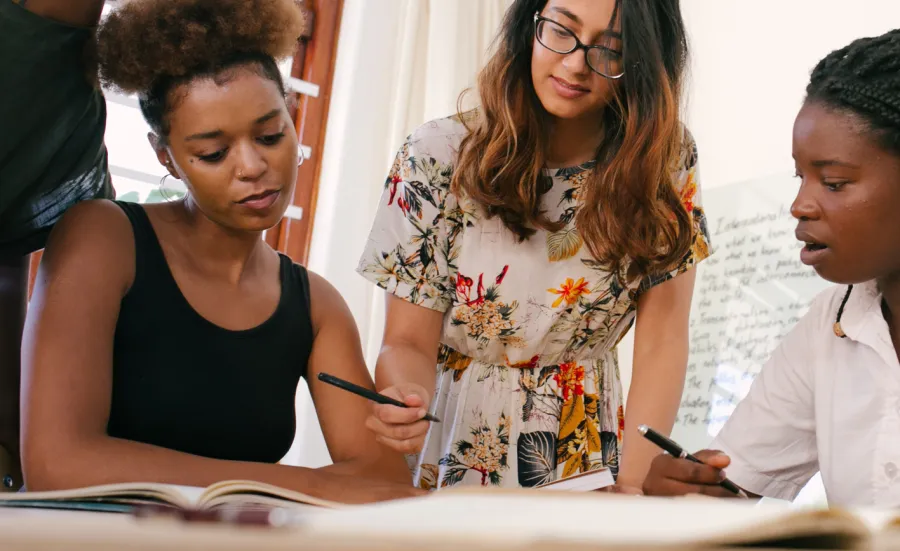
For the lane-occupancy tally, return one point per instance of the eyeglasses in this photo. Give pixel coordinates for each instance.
(604, 59)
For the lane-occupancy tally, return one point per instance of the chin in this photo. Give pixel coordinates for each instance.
(567, 109)
(840, 275)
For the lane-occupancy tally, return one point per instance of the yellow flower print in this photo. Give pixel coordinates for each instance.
(570, 291)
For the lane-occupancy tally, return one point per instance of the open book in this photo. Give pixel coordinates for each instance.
(125, 497)
(521, 518)
(583, 482)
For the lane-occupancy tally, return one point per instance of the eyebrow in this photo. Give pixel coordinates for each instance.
(832, 162)
(217, 133)
(566, 13)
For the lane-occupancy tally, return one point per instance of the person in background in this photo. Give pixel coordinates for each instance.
(51, 156)
(164, 343)
(828, 400)
(518, 242)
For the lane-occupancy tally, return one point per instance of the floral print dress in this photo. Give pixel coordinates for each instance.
(527, 386)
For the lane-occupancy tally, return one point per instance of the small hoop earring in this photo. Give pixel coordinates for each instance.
(162, 181)
(301, 157)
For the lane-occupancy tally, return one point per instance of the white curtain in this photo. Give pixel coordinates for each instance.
(400, 63)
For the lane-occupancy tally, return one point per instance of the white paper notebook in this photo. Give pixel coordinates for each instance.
(584, 482)
(597, 520)
(230, 492)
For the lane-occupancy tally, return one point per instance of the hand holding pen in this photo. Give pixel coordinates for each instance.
(400, 418)
(677, 472)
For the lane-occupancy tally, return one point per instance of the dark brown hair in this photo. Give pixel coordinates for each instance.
(150, 47)
(631, 215)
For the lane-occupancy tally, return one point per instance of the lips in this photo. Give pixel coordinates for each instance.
(262, 200)
(814, 249)
(567, 89)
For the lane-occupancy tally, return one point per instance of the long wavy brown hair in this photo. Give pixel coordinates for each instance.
(631, 218)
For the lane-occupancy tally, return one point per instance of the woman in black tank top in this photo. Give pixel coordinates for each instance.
(165, 343)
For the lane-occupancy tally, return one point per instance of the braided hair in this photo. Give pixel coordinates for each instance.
(864, 78)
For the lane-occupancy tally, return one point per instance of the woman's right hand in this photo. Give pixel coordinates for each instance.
(670, 476)
(401, 429)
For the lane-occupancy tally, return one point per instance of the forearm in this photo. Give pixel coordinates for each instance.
(653, 400)
(106, 460)
(386, 465)
(77, 13)
(404, 363)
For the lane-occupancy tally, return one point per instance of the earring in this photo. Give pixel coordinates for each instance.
(300, 157)
(162, 181)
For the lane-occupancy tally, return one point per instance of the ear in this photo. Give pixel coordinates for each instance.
(162, 154)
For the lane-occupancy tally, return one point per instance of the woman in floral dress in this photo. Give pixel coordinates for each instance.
(519, 242)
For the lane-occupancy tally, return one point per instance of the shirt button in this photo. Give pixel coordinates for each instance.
(890, 470)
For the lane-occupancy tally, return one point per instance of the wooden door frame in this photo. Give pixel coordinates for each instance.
(314, 62)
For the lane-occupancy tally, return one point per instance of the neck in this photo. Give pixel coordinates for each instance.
(574, 141)
(219, 251)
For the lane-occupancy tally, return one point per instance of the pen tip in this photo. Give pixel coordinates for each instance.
(643, 429)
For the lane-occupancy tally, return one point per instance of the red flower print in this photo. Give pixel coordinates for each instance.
(395, 179)
(464, 290)
(570, 380)
(463, 287)
(688, 193)
(502, 274)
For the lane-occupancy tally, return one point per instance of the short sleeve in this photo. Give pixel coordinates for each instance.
(687, 185)
(771, 436)
(408, 252)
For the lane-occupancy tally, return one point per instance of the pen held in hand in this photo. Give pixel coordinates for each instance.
(675, 450)
(368, 394)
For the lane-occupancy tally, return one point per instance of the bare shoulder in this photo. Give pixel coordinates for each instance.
(326, 303)
(92, 237)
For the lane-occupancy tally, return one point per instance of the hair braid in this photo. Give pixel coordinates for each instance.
(864, 77)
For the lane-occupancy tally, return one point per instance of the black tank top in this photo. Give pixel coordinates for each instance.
(184, 383)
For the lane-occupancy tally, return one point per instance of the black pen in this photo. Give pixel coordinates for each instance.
(368, 394)
(675, 450)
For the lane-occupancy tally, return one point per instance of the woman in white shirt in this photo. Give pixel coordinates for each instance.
(829, 398)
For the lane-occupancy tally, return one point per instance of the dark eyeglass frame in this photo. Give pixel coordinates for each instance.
(538, 18)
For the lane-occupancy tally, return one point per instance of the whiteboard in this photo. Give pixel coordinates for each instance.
(748, 295)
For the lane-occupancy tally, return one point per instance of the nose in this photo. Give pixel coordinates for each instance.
(805, 205)
(250, 164)
(576, 62)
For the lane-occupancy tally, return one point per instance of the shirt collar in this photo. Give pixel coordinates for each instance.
(863, 320)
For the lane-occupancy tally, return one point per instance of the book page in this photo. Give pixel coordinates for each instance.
(233, 488)
(514, 517)
(181, 496)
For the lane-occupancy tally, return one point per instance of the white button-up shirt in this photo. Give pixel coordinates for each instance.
(824, 403)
